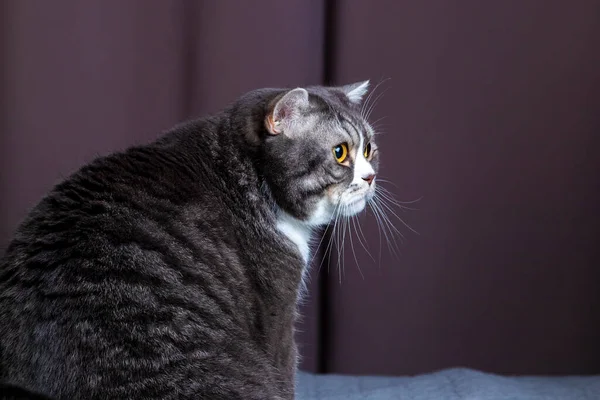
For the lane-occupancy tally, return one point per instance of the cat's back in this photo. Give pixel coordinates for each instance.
(115, 197)
(142, 198)
(129, 271)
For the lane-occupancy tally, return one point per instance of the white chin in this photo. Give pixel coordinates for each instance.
(354, 207)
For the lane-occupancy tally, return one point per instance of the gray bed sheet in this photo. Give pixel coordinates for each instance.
(449, 384)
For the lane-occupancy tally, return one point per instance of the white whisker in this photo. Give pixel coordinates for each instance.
(396, 215)
(376, 215)
(333, 218)
(358, 235)
(367, 106)
(379, 179)
(385, 194)
(372, 107)
(340, 244)
(385, 227)
(351, 219)
(374, 124)
(336, 213)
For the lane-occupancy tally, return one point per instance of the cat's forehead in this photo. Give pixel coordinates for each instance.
(337, 124)
(334, 100)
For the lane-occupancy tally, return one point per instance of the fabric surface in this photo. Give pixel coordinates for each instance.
(450, 384)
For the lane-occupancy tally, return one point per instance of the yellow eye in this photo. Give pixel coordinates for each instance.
(367, 152)
(340, 152)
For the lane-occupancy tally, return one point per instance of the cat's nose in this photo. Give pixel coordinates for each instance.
(369, 178)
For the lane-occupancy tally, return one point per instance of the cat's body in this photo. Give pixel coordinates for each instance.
(170, 270)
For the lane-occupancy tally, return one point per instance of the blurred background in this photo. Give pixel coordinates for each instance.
(491, 117)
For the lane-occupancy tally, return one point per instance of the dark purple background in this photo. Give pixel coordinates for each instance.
(492, 116)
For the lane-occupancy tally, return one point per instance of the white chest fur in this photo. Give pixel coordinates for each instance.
(298, 232)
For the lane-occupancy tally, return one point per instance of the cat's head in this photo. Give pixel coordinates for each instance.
(319, 152)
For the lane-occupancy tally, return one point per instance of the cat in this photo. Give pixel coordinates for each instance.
(11, 392)
(172, 270)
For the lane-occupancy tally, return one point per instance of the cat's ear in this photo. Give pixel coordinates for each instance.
(286, 111)
(356, 91)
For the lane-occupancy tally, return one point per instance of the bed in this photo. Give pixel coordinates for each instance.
(449, 384)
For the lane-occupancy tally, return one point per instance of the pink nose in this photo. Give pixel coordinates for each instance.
(369, 179)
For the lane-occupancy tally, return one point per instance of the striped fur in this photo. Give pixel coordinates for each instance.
(159, 272)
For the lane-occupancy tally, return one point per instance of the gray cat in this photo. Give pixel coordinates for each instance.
(172, 270)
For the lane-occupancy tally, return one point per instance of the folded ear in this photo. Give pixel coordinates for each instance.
(287, 110)
(356, 91)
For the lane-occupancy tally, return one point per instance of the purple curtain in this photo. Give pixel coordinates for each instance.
(491, 116)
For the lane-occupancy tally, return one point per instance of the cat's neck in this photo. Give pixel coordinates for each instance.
(299, 232)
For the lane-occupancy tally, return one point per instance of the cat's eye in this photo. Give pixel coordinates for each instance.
(367, 151)
(340, 152)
